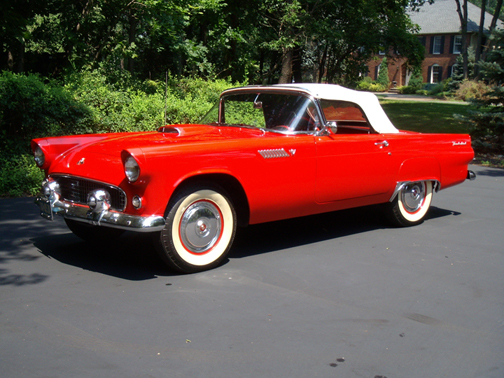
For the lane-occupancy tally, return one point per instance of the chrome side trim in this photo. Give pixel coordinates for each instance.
(273, 154)
(436, 186)
(106, 218)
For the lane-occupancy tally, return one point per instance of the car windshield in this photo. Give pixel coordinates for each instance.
(270, 111)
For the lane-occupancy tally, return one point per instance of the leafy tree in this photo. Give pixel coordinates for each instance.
(342, 45)
(261, 41)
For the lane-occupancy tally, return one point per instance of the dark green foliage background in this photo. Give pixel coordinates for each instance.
(89, 102)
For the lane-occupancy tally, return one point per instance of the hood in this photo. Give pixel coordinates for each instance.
(98, 156)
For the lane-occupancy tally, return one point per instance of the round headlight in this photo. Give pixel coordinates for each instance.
(131, 169)
(39, 156)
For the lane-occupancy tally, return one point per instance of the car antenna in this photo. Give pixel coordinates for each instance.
(165, 97)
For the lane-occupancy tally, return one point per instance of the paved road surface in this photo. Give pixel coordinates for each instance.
(337, 295)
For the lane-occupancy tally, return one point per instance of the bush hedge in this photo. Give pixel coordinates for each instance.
(90, 102)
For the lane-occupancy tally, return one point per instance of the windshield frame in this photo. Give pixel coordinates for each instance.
(256, 92)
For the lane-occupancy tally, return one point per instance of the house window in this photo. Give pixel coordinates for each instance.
(437, 45)
(457, 44)
(436, 72)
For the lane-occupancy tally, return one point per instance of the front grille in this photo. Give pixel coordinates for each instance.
(75, 189)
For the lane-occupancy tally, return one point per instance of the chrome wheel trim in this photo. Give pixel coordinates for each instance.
(421, 204)
(413, 196)
(215, 248)
(200, 226)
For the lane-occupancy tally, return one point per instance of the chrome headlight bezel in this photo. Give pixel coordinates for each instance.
(39, 156)
(131, 169)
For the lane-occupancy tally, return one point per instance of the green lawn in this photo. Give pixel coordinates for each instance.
(426, 117)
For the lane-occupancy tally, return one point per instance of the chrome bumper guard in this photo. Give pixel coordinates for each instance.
(52, 205)
(471, 175)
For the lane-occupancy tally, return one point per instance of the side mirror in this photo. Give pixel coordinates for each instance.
(332, 126)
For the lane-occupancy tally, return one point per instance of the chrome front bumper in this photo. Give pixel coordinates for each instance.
(49, 206)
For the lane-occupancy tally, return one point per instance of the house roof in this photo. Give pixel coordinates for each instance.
(441, 17)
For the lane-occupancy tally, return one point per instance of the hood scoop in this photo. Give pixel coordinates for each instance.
(168, 130)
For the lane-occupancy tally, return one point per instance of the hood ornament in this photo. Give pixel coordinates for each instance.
(81, 161)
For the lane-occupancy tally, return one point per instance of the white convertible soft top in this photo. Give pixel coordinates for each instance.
(367, 101)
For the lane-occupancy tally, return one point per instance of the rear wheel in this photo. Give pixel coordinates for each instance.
(93, 234)
(411, 204)
(199, 230)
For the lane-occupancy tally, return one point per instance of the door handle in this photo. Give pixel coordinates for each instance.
(382, 144)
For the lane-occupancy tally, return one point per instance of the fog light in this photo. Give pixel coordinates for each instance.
(136, 201)
(50, 187)
(91, 202)
(99, 200)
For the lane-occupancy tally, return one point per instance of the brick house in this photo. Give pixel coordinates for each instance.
(440, 33)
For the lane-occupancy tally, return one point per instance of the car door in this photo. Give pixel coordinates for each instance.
(355, 161)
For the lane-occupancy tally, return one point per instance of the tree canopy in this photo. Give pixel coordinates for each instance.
(256, 41)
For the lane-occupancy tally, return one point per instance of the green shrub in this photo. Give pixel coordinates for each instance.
(436, 89)
(377, 87)
(408, 89)
(19, 176)
(88, 102)
(363, 85)
(416, 80)
(367, 84)
(31, 107)
(469, 89)
(142, 106)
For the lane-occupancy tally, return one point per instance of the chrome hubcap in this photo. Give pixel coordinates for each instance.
(200, 226)
(412, 196)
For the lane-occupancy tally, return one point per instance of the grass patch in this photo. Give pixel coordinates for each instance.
(427, 116)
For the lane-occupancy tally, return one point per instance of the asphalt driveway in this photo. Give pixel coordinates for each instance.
(335, 295)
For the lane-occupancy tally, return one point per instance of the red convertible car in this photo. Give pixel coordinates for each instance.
(262, 154)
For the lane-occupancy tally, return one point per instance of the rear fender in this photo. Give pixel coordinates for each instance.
(418, 169)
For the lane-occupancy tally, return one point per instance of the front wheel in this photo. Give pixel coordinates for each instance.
(411, 204)
(199, 230)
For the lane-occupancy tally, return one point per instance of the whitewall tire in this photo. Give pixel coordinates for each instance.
(200, 228)
(411, 204)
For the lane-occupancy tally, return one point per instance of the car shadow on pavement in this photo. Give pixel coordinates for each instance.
(269, 237)
(133, 256)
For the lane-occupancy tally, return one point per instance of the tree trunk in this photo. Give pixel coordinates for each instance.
(480, 38)
(20, 64)
(286, 73)
(493, 24)
(131, 40)
(496, 15)
(10, 60)
(297, 65)
(322, 65)
(463, 22)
